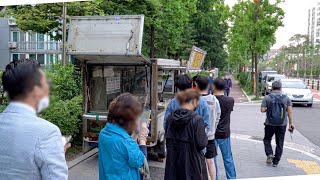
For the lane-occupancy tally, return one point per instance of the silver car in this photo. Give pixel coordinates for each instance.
(297, 91)
(267, 83)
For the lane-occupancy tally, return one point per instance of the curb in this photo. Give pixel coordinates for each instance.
(82, 158)
(249, 100)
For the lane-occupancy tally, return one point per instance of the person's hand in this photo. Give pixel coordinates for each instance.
(67, 146)
(291, 127)
(144, 132)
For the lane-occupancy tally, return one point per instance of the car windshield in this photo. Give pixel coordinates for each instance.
(294, 84)
(275, 78)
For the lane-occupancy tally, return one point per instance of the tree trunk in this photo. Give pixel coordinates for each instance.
(152, 48)
(256, 75)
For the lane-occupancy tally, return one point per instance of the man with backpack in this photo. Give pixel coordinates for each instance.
(278, 107)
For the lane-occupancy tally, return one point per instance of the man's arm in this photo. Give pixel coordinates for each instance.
(290, 114)
(50, 156)
(218, 111)
(168, 112)
(264, 105)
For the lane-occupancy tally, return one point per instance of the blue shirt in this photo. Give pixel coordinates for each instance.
(119, 155)
(202, 110)
(30, 147)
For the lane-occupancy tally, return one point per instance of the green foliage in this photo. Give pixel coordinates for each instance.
(66, 82)
(308, 72)
(245, 81)
(47, 18)
(66, 115)
(253, 27)
(175, 25)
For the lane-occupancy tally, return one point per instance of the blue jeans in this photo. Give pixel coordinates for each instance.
(225, 148)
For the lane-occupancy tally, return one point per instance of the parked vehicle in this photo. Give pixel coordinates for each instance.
(263, 75)
(267, 83)
(297, 91)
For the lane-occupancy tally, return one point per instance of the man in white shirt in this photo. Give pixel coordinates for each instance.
(203, 84)
(30, 147)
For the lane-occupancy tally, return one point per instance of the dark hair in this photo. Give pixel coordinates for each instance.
(276, 85)
(194, 78)
(123, 109)
(219, 83)
(202, 82)
(187, 96)
(20, 77)
(183, 82)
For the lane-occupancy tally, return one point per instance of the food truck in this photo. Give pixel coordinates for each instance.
(108, 48)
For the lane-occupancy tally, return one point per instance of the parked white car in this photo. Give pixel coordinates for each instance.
(267, 84)
(297, 91)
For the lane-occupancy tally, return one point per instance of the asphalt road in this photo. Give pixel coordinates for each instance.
(307, 122)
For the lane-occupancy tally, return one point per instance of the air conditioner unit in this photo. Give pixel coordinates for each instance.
(12, 22)
(12, 45)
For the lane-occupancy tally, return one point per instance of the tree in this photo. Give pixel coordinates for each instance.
(253, 27)
(211, 28)
(47, 18)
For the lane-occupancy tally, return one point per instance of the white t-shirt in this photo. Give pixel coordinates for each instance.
(215, 112)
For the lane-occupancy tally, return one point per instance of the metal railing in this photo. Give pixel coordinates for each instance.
(39, 45)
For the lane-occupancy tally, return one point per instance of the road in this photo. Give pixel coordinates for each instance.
(307, 121)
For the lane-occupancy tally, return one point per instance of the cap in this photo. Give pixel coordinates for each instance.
(276, 84)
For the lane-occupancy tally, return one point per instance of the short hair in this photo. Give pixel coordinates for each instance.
(187, 96)
(123, 109)
(276, 85)
(20, 77)
(202, 82)
(219, 83)
(183, 82)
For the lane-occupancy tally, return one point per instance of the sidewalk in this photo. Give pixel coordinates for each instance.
(316, 94)
(237, 93)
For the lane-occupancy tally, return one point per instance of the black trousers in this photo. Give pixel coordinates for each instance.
(279, 132)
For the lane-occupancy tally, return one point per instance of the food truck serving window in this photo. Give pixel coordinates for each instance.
(108, 82)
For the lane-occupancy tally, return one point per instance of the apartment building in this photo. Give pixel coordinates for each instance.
(314, 23)
(16, 44)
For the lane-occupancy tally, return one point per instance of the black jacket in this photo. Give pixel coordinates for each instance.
(185, 140)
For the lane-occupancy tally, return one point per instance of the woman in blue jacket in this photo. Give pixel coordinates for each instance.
(120, 157)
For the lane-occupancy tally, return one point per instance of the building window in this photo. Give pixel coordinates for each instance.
(15, 36)
(15, 57)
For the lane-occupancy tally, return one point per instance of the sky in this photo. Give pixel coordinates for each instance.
(295, 21)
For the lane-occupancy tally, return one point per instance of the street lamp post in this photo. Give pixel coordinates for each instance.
(64, 33)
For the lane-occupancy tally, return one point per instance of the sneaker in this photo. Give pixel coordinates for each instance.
(274, 165)
(269, 159)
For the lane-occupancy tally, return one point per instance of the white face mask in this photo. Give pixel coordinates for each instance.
(43, 104)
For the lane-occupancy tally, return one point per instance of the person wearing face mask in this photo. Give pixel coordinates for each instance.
(185, 139)
(120, 156)
(30, 147)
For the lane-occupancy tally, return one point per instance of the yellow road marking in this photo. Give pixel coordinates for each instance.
(309, 167)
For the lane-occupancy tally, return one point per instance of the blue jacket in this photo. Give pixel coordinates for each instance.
(202, 110)
(119, 155)
(30, 147)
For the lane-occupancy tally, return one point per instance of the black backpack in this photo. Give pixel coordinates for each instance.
(276, 110)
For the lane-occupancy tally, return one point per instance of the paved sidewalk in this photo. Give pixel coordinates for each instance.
(237, 93)
(316, 95)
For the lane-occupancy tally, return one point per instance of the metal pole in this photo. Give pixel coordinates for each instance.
(64, 33)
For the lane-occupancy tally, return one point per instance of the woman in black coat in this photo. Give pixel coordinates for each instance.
(185, 140)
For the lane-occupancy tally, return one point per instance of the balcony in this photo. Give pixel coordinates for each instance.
(50, 47)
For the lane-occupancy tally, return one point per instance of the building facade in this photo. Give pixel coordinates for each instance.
(314, 23)
(16, 44)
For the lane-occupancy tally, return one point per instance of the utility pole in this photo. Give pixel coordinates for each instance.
(64, 33)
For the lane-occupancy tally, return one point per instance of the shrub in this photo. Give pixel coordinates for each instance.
(245, 82)
(67, 115)
(66, 81)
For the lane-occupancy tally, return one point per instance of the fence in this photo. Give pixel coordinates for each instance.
(39, 45)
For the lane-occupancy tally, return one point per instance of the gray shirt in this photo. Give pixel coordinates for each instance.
(267, 100)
